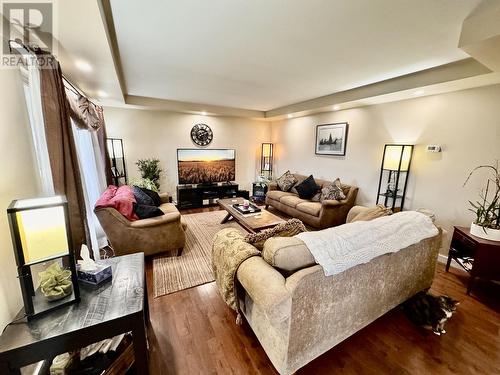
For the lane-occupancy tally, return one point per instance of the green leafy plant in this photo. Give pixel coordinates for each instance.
(144, 183)
(150, 170)
(487, 208)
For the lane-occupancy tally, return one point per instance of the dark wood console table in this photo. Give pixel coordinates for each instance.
(479, 257)
(116, 307)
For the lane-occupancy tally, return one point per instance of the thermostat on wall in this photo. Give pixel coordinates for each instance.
(433, 148)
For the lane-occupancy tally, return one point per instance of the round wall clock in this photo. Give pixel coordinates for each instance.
(201, 134)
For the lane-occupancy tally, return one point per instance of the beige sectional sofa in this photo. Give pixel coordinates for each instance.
(318, 215)
(298, 313)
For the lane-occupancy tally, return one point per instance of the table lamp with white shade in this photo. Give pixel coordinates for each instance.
(44, 255)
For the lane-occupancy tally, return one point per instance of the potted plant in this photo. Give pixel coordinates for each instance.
(150, 170)
(144, 183)
(487, 209)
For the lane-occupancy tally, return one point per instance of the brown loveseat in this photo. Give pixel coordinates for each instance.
(151, 236)
(319, 215)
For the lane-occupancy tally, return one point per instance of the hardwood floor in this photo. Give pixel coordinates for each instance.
(194, 332)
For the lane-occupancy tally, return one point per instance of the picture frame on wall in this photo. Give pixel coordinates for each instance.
(331, 139)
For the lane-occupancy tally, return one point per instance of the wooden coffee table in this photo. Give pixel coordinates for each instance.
(252, 223)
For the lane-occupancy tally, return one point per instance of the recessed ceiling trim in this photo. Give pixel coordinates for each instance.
(454, 71)
(195, 108)
(109, 27)
(440, 74)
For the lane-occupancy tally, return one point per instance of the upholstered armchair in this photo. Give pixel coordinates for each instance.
(151, 236)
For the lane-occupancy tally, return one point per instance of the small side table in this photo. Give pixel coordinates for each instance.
(117, 307)
(479, 257)
(258, 192)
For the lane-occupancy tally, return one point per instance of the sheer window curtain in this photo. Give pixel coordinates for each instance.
(93, 181)
(31, 84)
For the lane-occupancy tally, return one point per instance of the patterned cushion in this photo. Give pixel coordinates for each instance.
(333, 191)
(286, 181)
(287, 229)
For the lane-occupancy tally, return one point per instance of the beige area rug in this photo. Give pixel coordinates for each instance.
(194, 266)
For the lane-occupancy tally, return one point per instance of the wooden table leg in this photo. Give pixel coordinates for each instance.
(140, 346)
(227, 218)
(448, 262)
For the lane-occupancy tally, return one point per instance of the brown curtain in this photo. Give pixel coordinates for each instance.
(103, 147)
(62, 151)
(90, 116)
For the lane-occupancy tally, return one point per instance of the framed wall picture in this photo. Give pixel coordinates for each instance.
(331, 139)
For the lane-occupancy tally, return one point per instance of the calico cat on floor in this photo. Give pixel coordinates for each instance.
(430, 311)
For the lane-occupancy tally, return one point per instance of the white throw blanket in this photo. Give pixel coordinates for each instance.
(340, 248)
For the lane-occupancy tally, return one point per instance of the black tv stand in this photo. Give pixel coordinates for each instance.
(194, 196)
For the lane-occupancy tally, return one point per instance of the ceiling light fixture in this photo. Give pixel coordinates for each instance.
(83, 66)
(290, 115)
(203, 113)
(418, 92)
(336, 107)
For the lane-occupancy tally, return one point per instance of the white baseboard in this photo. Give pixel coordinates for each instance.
(443, 259)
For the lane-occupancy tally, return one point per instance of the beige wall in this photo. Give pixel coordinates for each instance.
(18, 180)
(158, 134)
(465, 123)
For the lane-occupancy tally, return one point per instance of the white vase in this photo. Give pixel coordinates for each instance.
(486, 233)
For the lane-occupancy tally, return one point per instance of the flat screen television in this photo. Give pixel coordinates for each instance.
(205, 166)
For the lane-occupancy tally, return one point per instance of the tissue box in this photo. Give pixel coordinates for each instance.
(96, 277)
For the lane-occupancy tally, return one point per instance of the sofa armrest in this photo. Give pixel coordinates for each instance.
(355, 211)
(272, 186)
(156, 221)
(165, 198)
(332, 203)
(266, 287)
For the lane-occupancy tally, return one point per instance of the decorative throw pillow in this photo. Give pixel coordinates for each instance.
(153, 195)
(307, 188)
(286, 181)
(142, 198)
(145, 211)
(287, 229)
(333, 191)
